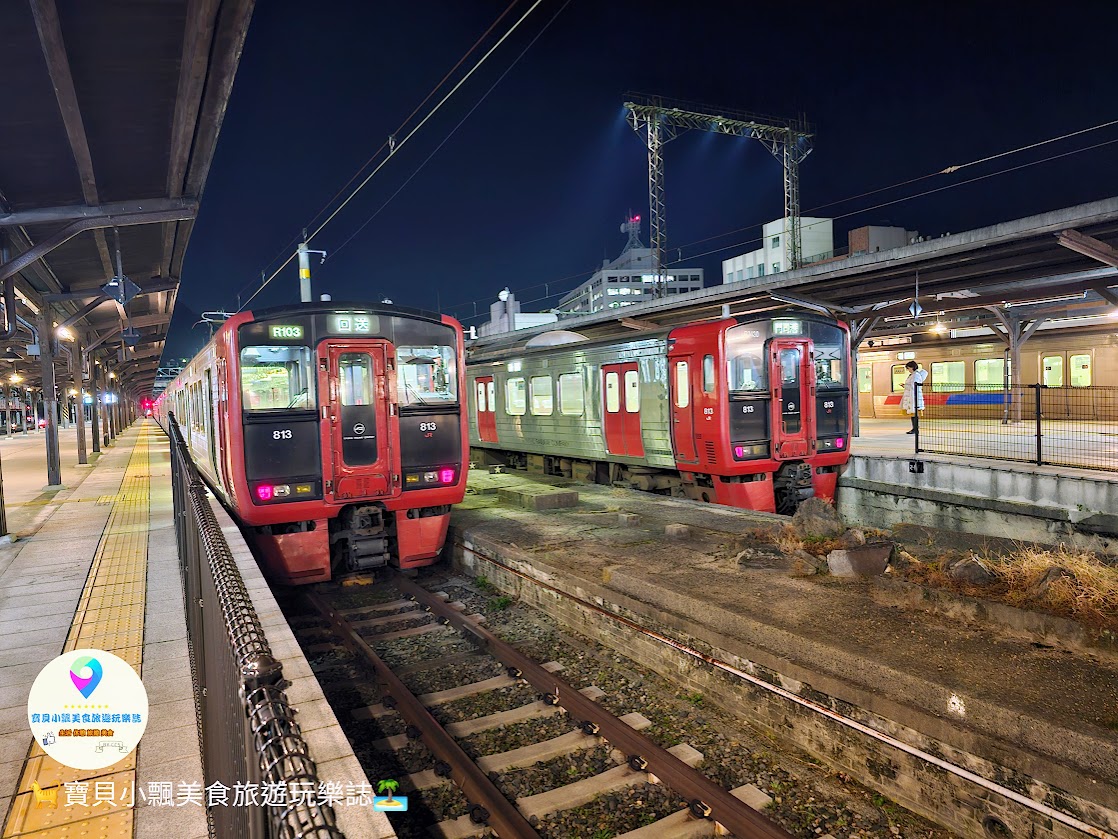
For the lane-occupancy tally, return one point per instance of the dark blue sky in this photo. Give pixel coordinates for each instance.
(533, 186)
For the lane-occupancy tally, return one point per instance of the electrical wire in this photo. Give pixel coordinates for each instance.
(296, 239)
(399, 145)
(453, 131)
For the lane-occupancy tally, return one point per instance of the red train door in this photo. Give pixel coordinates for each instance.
(486, 394)
(357, 434)
(621, 409)
(793, 387)
(682, 405)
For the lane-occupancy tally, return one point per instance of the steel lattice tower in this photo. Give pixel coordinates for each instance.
(789, 141)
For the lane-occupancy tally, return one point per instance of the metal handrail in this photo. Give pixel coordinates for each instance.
(239, 685)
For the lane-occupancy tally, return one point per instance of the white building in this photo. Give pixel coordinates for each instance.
(629, 279)
(505, 316)
(775, 255)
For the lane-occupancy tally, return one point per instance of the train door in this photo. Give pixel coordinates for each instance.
(354, 381)
(621, 414)
(793, 389)
(682, 408)
(486, 395)
(865, 390)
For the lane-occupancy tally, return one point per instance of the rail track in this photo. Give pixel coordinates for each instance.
(407, 610)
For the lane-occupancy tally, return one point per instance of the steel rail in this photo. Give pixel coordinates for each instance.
(501, 814)
(725, 667)
(705, 797)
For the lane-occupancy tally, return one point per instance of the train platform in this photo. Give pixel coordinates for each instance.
(95, 564)
(1018, 703)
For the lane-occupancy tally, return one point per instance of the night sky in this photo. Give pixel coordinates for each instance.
(533, 186)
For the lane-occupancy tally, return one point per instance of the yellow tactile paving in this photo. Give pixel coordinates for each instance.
(110, 616)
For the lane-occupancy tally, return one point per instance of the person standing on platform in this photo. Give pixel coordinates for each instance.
(912, 398)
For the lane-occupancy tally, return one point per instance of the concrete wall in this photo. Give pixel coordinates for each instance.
(816, 239)
(1024, 504)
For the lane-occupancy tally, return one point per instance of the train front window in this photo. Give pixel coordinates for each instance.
(426, 375)
(745, 359)
(277, 378)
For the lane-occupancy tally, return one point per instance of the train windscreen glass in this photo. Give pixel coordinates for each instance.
(745, 359)
(277, 378)
(426, 375)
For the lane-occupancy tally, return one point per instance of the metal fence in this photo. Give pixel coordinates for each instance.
(253, 752)
(1060, 426)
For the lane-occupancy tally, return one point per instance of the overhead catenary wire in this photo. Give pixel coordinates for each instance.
(755, 240)
(297, 238)
(399, 144)
(451, 133)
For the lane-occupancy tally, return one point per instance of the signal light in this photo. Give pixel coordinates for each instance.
(446, 476)
(739, 451)
(838, 442)
(264, 492)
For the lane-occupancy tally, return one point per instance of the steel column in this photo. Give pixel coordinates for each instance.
(50, 396)
(94, 412)
(79, 414)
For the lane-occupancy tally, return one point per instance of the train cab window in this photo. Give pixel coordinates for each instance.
(1080, 370)
(948, 376)
(426, 375)
(277, 378)
(515, 397)
(708, 374)
(542, 398)
(900, 373)
(355, 378)
(1052, 371)
(613, 393)
(571, 396)
(989, 373)
(745, 359)
(632, 392)
(682, 385)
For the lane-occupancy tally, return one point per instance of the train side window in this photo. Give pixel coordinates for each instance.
(613, 393)
(1080, 370)
(571, 396)
(948, 376)
(899, 375)
(708, 374)
(542, 396)
(632, 392)
(682, 385)
(989, 373)
(481, 404)
(515, 397)
(1052, 371)
(277, 378)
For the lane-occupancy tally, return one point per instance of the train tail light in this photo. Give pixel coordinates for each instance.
(446, 476)
(265, 491)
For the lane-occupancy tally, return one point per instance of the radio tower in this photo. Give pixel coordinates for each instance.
(632, 226)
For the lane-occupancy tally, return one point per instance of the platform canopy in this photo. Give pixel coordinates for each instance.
(109, 117)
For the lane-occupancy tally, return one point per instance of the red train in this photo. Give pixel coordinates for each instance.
(751, 411)
(335, 433)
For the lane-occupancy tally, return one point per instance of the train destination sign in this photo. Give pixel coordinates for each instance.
(356, 324)
(286, 332)
(787, 327)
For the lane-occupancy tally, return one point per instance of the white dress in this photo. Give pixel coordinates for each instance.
(906, 397)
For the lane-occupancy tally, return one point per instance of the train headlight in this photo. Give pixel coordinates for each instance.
(274, 492)
(438, 477)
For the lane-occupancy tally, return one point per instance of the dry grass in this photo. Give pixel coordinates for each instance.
(1089, 592)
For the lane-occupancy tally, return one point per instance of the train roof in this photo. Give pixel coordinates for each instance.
(330, 306)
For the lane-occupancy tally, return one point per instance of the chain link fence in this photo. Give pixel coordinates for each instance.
(1059, 426)
(250, 739)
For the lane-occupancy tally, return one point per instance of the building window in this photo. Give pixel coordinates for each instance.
(776, 267)
(515, 397)
(571, 395)
(760, 270)
(948, 376)
(776, 242)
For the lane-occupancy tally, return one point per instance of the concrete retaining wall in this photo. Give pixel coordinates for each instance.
(974, 497)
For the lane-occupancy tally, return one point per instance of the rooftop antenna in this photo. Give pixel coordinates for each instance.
(632, 226)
